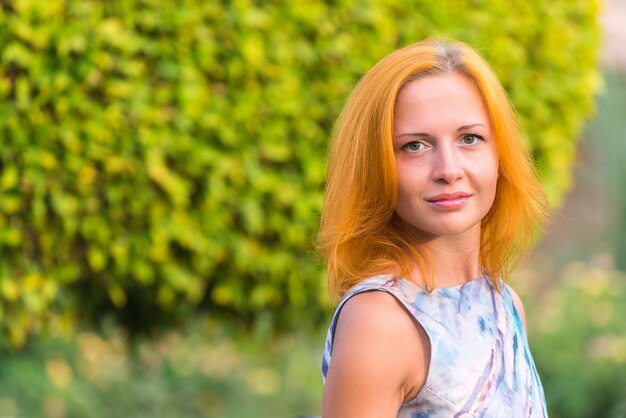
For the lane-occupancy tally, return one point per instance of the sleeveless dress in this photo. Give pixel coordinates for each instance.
(480, 363)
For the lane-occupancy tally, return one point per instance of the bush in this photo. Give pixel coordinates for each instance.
(161, 157)
(606, 139)
(577, 335)
(198, 372)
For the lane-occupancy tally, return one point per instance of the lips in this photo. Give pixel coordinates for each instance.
(449, 200)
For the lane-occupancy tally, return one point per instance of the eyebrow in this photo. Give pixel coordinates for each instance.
(465, 127)
(461, 128)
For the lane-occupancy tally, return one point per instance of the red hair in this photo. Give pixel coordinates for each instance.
(360, 234)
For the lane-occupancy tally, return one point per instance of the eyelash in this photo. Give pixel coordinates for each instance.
(406, 146)
(479, 137)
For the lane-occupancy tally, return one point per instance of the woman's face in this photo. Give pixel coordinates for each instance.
(446, 157)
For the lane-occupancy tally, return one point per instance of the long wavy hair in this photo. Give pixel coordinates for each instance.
(360, 234)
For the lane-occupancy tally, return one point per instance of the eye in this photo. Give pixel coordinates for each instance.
(471, 139)
(413, 146)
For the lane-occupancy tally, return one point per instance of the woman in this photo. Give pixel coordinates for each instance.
(430, 200)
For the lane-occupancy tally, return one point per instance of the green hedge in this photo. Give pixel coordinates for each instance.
(161, 157)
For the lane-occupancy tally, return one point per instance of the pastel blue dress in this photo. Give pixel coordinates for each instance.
(480, 363)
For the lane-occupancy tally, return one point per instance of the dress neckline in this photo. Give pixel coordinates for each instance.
(458, 286)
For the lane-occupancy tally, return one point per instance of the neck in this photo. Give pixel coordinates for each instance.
(454, 260)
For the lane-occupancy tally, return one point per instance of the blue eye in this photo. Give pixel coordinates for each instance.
(471, 139)
(413, 146)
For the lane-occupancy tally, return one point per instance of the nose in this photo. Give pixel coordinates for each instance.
(447, 167)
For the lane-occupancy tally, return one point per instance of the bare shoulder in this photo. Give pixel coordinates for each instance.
(377, 311)
(519, 305)
(380, 358)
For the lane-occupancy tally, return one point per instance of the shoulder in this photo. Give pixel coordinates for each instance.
(375, 312)
(519, 305)
(380, 358)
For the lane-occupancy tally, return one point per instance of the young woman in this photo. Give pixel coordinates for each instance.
(431, 198)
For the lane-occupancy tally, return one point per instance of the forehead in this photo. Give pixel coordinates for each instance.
(440, 99)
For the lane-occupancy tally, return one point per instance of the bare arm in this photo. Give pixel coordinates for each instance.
(380, 359)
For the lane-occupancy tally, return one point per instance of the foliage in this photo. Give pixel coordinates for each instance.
(199, 372)
(578, 338)
(164, 156)
(607, 138)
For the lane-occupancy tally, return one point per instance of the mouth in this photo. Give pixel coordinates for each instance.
(449, 200)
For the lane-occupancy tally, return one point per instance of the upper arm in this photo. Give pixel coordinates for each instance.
(379, 358)
(519, 306)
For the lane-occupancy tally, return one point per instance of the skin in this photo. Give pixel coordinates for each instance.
(447, 167)
(444, 146)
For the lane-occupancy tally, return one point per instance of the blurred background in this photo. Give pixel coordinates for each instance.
(161, 177)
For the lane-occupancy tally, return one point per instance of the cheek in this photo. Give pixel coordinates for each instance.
(491, 189)
(404, 184)
(412, 185)
(490, 173)
(410, 179)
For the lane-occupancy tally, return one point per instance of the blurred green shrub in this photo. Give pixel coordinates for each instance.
(578, 338)
(202, 371)
(607, 138)
(162, 156)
